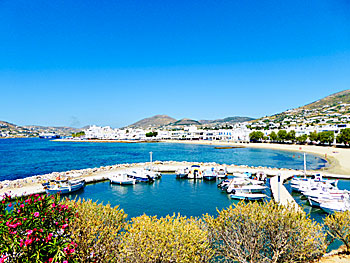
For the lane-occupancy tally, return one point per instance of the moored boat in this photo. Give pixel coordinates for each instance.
(248, 196)
(209, 175)
(182, 173)
(195, 172)
(122, 179)
(63, 186)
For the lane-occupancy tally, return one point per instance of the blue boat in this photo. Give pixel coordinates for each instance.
(209, 175)
(63, 186)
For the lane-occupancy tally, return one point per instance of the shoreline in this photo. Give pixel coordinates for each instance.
(337, 158)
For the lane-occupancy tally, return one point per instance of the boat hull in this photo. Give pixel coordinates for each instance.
(66, 189)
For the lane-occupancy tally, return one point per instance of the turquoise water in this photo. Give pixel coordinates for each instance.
(165, 196)
(26, 157)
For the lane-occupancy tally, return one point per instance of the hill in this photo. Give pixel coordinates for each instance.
(184, 122)
(227, 120)
(153, 122)
(333, 109)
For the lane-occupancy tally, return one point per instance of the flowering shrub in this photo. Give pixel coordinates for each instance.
(167, 239)
(34, 229)
(96, 229)
(338, 227)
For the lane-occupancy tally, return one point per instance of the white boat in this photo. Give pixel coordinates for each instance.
(140, 175)
(248, 196)
(242, 175)
(234, 187)
(336, 206)
(64, 186)
(182, 173)
(221, 173)
(209, 175)
(122, 179)
(195, 172)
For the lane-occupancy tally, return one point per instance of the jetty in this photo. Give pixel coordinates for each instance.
(32, 185)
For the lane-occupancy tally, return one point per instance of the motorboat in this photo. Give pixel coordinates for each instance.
(336, 206)
(140, 175)
(182, 173)
(248, 196)
(244, 187)
(209, 174)
(195, 172)
(63, 186)
(122, 179)
(242, 175)
(221, 173)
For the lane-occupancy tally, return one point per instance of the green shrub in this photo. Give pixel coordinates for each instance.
(265, 232)
(168, 239)
(96, 229)
(35, 229)
(338, 227)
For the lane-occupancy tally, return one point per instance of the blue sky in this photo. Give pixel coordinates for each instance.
(76, 63)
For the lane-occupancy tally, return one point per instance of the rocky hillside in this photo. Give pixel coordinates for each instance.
(228, 120)
(331, 100)
(153, 122)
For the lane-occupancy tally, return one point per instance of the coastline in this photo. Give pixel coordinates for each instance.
(337, 158)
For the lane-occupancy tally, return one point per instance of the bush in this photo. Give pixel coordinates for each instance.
(35, 229)
(96, 230)
(267, 232)
(338, 227)
(168, 239)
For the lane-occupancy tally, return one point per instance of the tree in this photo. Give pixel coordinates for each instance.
(344, 136)
(282, 135)
(151, 134)
(326, 137)
(78, 134)
(291, 136)
(313, 136)
(273, 136)
(301, 139)
(256, 136)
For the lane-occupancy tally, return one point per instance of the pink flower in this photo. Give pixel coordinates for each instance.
(64, 226)
(65, 261)
(10, 204)
(36, 214)
(29, 232)
(53, 205)
(50, 260)
(22, 205)
(28, 242)
(24, 219)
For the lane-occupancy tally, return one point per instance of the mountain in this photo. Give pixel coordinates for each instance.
(184, 122)
(153, 122)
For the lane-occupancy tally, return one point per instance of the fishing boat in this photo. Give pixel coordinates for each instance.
(195, 172)
(122, 179)
(182, 173)
(209, 175)
(49, 135)
(63, 186)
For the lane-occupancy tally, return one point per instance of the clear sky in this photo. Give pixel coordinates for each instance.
(103, 62)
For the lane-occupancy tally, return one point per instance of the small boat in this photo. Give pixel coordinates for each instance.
(248, 196)
(195, 172)
(140, 176)
(221, 173)
(49, 135)
(182, 173)
(245, 188)
(209, 175)
(242, 175)
(122, 179)
(63, 186)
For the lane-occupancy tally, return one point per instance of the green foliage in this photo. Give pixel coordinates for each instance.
(326, 137)
(291, 136)
(338, 227)
(344, 136)
(35, 229)
(273, 136)
(96, 229)
(301, 139)
(151, 134)
(78, 134)
(282, 135)
(267, 232)
(256, 136)
(313, 136)
(168, 239)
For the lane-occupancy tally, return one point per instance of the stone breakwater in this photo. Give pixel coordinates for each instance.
(32, 184)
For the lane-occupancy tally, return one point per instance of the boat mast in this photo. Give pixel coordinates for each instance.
(304, 165)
